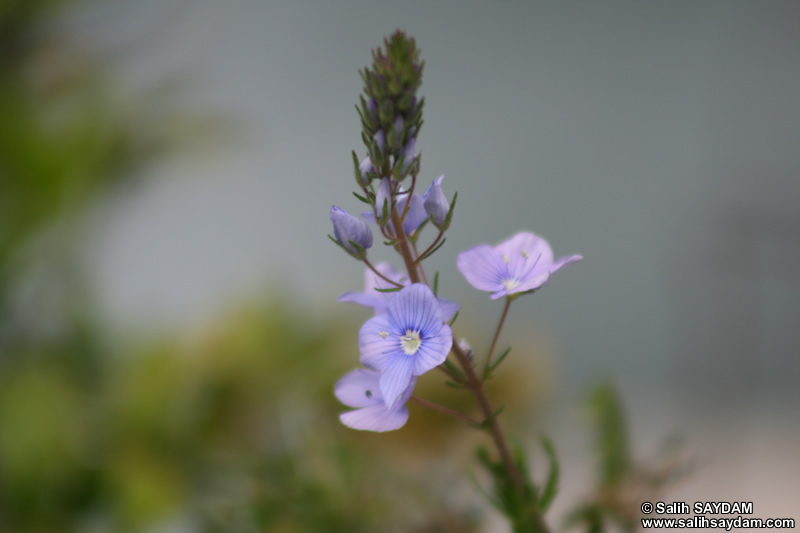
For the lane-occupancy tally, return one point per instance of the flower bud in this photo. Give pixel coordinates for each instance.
(351, 232)
(409, 153)
(436, 204)
(364, 169)
(383, 202)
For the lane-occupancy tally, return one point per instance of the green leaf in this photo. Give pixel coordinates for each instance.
(391, 289)
(489, 419)
(452, 320)
(432, 251)
(551, 486)
(496, 363)
(454, 370)
(455, 385)
(611, 435)
(436, 284)
(362, 198)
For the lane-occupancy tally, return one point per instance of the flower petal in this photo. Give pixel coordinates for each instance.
(395, 377)
(362, 298)
(526, 255)
(482, 267)
(376, 418)
(359, 388)
(416, 213)
(415, 308)
(378, 341)
(433, 351)
(449, 309)
(532, 283)
(564, 261)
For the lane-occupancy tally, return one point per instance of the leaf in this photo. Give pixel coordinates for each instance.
(453, 320)
(497, 362)
(551, 486)
(611, 435)
(390, 289)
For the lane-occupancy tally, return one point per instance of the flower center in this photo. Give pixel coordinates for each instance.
(510, 284)
(410, 342)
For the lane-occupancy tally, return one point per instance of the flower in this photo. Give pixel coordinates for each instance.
(352, 233)
(406, 341)
(436, 204)
(522, 263)
(416, 211)
(360, 389)
(379, 301)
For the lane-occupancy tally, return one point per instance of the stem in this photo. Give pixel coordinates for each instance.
(403, 248)
(496, 335)
(431, 247)
(443, 409)
(476, 386)
(419, 265)
(384, 278)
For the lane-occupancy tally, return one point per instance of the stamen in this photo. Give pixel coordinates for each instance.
(383, 334)
(369, 393)
(506, 259)
(524, 254)
(410, 342)
(510, 284)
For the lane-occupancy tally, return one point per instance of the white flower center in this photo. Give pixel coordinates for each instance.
(510, 284)
(410, 342)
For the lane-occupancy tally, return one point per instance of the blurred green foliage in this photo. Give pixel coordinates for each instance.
(232, 430)
(621, 483)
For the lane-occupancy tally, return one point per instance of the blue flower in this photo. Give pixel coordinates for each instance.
(349, 230)
(360, 389)
(379, 301)
(406, 341)
(521, 264)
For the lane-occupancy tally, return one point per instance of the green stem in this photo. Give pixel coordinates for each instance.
(384, 278)
(496, 336)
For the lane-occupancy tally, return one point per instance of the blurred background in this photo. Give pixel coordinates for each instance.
(169, 336)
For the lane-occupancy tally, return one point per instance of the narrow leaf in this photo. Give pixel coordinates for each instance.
(436, 284)
(551, 486)
(452, 320)
(392, 289)
(433, 251)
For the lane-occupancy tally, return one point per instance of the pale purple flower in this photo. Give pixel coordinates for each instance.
(522, 263)
(379, 301)
(360, 389)
(347, 228)
(406, 341)
(436, 204)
